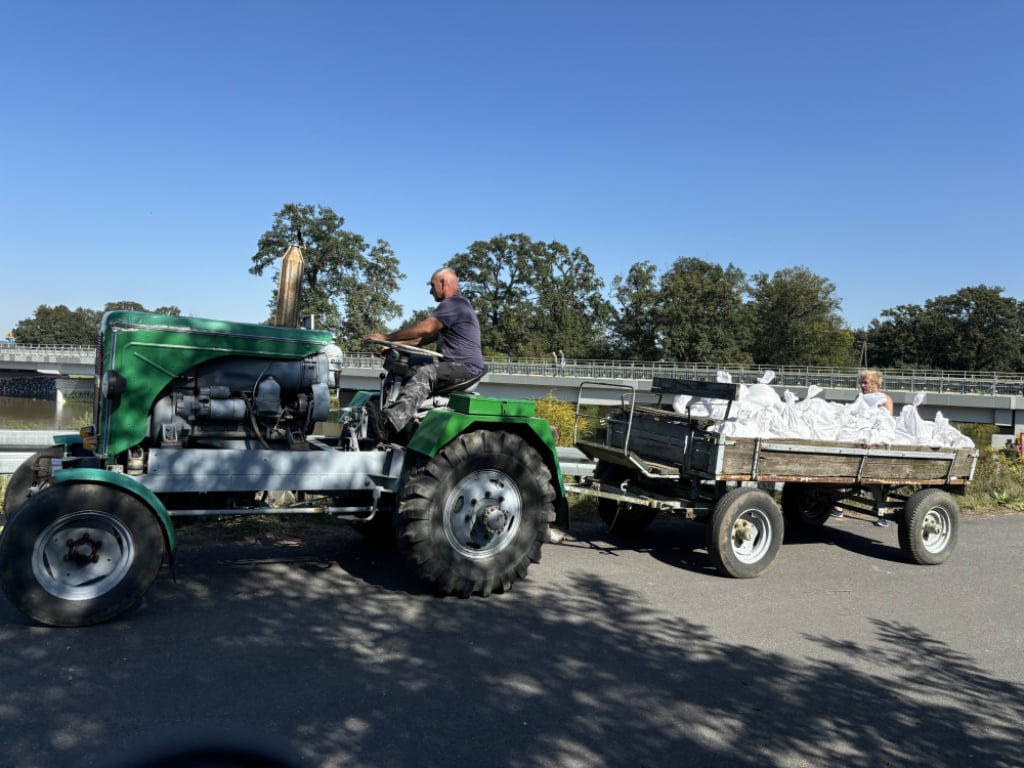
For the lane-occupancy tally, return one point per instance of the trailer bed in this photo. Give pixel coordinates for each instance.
(662, 443)
(654, 459)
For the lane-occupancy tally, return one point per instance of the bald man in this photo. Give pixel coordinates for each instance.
(456, 328)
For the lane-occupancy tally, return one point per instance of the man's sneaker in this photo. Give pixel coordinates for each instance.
(836, 513)
(882, 522)
(377, 423)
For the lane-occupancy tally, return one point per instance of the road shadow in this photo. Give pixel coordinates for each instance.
(682, 543)
(295, 643)
(854, 534)
(672, 540)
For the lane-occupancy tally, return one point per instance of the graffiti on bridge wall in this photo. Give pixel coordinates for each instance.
(35, 388)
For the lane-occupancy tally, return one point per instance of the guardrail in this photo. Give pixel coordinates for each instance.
(16, 445)
(914, 380)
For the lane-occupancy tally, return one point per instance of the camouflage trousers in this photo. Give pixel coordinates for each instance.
(425, 381)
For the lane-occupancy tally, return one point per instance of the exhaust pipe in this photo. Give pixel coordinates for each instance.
(289, 288)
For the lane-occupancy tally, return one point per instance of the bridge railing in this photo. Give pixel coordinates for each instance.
(910, 380)
(907, 380)
(21, 351)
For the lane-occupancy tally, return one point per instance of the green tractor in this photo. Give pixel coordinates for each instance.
(196, 417)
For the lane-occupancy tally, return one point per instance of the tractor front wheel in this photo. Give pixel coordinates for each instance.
(77, 554)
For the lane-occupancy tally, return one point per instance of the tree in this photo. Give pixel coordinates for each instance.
(495, 275)
(701, 313)
(347, 284)
(636, 332)
(570, 311)
(59, 325)
(985, 331)
(894, 341)
(974, 329)
(136, 307)
(533, 296)
(795, 314)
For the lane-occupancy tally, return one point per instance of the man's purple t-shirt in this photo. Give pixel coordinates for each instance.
(459, 340)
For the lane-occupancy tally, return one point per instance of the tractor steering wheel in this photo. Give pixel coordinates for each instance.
(407, 349)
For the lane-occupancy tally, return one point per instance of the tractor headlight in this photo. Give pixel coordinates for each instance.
(112, 384)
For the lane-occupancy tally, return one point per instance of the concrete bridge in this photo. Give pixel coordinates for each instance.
(47, 360)
(962, 396)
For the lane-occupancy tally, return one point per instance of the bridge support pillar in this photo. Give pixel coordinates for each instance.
(74, 390)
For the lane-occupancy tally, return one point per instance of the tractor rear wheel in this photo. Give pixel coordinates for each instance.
(473, 518)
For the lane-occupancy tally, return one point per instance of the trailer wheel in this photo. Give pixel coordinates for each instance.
(626, 519)
(930, 526)
(79, 554)
(20, 483)
(473, 518)
(807, 505)
(744, 533)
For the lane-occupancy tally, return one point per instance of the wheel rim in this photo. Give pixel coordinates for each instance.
(82, 555)
(935, 528)
(751, 536)
(482, 513)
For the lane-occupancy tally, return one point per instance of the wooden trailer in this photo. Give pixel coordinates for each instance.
(653, 459)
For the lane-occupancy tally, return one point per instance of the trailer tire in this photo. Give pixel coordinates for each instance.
(744, 533)
(20, 482)
(626, 519)
(930, 526)
(807, 505)
(79, 554)
(474, 517)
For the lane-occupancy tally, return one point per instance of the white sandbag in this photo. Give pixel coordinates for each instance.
(865, 421)
(762, 394)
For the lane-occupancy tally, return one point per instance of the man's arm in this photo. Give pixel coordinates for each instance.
(417, 334)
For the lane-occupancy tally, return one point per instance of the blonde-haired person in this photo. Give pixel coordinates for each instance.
(870, 383)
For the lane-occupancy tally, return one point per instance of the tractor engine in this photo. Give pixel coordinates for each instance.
(246, 402)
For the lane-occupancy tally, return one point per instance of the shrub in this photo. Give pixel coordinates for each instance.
(562, 417)
(998, 480)
(981, 434)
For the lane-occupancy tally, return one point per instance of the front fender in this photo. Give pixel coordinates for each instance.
(127, 484)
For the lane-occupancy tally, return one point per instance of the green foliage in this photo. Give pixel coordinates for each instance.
(347, 284)
(974, 329)
(60, 325)
(569, 311)
(134, 306)
(562, 416)
(700, 312)
(998, 480)
(980, 434)
(636, 332)
(533, 297)
(796, 316)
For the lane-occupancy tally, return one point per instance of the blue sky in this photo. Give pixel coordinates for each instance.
(144, 147)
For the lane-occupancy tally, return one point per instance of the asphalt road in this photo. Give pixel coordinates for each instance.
(325, 652)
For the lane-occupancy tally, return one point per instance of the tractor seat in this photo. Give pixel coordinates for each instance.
(440, 398)
(469, 385)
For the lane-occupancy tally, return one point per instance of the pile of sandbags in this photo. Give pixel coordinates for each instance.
(760, 412)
